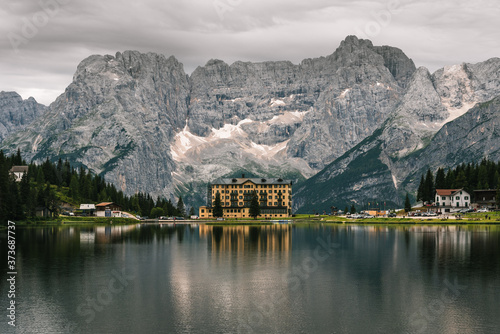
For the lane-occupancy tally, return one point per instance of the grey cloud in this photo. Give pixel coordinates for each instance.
(433, 33)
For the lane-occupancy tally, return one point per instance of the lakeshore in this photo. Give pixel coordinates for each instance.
(490, 218)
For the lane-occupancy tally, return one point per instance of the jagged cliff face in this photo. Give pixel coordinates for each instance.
(16, 113)
(140, 121)
(118, 118)
(416, 136)
(277, 117)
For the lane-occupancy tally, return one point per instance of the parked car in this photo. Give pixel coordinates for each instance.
(483, 210)
(391, 215)
(220, 218)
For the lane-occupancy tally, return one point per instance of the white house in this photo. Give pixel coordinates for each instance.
(18, 172)
(88, 209)
(452, 199)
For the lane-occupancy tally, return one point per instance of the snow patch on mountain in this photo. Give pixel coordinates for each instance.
(289, 117)
(265, 151)
(456, 112)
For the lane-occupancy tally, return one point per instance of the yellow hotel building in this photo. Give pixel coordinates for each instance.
(275, 197)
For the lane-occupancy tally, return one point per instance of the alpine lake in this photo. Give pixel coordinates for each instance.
(281, 278)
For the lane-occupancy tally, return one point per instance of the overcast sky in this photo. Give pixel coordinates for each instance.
(42, 41)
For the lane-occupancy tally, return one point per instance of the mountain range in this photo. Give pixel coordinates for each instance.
(358, 125)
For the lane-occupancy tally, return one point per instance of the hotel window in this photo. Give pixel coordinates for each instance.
(457, 197)
(466, 197)
(443, 198)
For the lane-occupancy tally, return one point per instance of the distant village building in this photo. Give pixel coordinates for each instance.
(88, 209)
(18, 172)
(485, 198)
(275, 197)
(448, 199)
(108, 209)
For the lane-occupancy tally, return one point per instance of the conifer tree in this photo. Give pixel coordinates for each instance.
(254, 205)
(482, 176)
(420, 191)
(40, 177)
(407, 203)
(428, 194)
(4, 189)
(440, 179)
(180, 207)
(497, 195)
(24, 191)
(18, 161)
(74, 187)
(218, 211)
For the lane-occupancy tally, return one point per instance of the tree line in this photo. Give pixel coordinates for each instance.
(49, 185)
(470, 177)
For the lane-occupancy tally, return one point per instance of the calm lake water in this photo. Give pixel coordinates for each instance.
(308, 278)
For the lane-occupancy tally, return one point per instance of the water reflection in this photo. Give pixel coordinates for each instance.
(268, 238)
(199, 278)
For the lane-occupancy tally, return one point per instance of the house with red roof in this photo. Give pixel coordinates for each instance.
(448, 200)
(108, 209)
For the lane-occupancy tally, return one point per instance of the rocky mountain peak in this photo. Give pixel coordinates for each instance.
(352, 42)
(16, 113)
(421, 101)
(398, 63)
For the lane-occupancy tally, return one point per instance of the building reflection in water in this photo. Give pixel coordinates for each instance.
(241, 239)
(104, 234)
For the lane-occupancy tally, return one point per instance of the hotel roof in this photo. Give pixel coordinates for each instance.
(259, 181)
